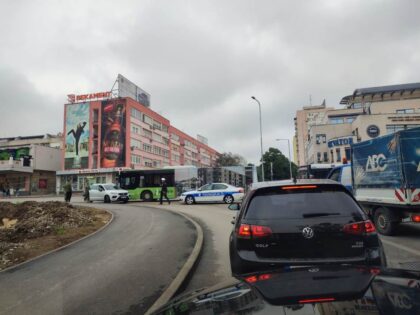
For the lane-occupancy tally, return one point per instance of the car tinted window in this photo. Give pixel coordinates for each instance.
(218, 186)
(296, 205)
(206, 187)
(335, 175)
(110, 187)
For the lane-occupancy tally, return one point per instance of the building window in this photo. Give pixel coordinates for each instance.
(147, 133)
(156, 163)
(356, 105)
(332, 155)
(157, 150)
(165, 128)
(336, 121)
(148, 120)
(175, 148)
(395, 128)
(350, 119)
(174, 137)
(321, 138)
(135, 143)
(148, 162)
(135, 113)
(157, 137)
(175, 157)
(347, 151)
(325, 156)
(338, 152)
(135, 159)
(318, 157)
(157, 125)
(405, 111)
(135, 129)
(165, 140)
(147, 147)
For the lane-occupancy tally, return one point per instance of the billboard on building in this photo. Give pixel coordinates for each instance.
(16, 154)
(202, 139)
(126, 88)
(76, 154)
(113, 134)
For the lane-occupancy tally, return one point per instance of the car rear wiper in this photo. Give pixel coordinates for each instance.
(319, 214)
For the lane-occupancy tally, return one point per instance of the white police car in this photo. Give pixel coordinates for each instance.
(216, 192)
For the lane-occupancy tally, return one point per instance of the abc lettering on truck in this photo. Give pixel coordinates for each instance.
(386, 178)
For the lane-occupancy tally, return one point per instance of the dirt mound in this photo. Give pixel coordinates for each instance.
(39, 219)
(23, 224)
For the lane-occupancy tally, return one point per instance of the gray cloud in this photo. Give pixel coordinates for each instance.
(202, 60)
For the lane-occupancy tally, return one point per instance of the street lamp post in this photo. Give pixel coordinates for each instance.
(261, 139)
(290, 159)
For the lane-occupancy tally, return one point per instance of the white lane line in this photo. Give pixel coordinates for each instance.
(402, 247)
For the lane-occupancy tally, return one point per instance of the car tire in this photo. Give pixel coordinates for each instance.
(189, 200)
(147, 195)
(383, 257)
(384, 221)
(228, 199)
(107, 199)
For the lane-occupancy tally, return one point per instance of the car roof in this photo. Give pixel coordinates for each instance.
(290, 182)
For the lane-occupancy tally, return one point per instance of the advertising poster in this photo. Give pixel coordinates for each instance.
(16, 154)
(77, 136)
(126, 88)
(113, 134)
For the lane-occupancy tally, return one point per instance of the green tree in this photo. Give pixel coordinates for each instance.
(280, 165)
(230, 159)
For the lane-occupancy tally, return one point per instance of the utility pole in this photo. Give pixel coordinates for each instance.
(261, 139)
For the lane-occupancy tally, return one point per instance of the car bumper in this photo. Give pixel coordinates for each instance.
(120, 198)
(182, 198)
(252, 258)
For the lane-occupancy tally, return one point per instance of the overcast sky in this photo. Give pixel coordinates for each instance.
(201, 61)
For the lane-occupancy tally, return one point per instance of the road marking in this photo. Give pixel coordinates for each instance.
(402, 247)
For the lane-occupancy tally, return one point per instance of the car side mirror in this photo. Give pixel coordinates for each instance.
(234, 207)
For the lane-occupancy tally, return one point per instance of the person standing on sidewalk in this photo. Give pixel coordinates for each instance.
(67, 191)
(164, 191)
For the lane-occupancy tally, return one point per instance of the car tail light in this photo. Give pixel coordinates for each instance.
(359, 228)
(327, 299)
(299, 187)
(415, 218)
(246, 231)
(241, 190)
(253, 279)
(260, 231)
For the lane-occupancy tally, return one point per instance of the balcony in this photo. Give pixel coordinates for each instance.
(14, 166)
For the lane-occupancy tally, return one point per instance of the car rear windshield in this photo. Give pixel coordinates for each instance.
(302, 205)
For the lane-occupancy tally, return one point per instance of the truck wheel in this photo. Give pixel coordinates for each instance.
(147, 195)
(385, 222)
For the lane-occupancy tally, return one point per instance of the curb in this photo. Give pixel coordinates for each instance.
(185, 270)
(62, 247)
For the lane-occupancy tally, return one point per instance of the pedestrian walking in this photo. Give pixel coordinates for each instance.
(164, 191)
(67, 191)
(86, 193)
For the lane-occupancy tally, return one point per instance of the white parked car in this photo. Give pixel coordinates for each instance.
(216, 192)
(107, 193)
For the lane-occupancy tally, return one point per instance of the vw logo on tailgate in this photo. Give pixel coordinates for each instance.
(308, 232)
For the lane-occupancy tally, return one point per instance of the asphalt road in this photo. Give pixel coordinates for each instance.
(122, 269)
(214, 266)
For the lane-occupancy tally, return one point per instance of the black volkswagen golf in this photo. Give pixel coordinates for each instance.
(303, 222)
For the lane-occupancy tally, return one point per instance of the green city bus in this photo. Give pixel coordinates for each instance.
(145, 184)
